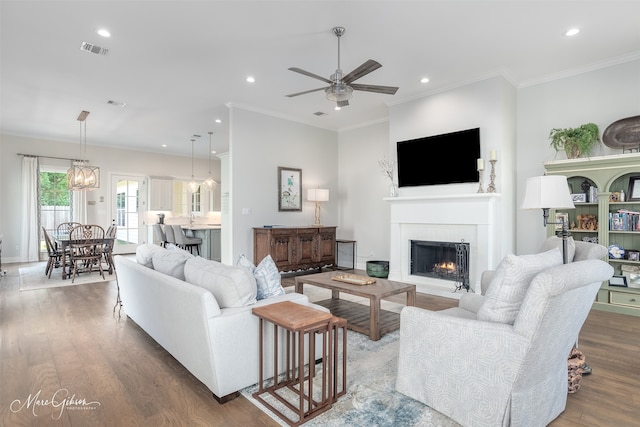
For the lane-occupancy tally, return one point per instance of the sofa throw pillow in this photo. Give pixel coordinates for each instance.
(243, 261)
(171, 262)
(268, 279)
(231, 286)
(510, 283)
(556, 242)
(144, 254)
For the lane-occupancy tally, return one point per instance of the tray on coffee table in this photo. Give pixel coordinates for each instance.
(354, 279)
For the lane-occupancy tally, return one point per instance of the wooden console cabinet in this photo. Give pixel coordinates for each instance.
(295, 248)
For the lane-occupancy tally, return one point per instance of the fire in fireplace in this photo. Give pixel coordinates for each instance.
(441, 260)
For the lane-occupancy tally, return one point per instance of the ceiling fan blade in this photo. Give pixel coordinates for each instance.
(305, 92)
(387, 90)
(344, 103)
(307, 73)
(369, 66)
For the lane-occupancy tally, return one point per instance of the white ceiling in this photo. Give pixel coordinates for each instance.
(179, 64)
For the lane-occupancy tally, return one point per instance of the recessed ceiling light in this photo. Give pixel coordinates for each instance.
(572, 32)
(213, 151)
(424, 80)
(218, 121)
(103, 32)
(250, 79)
(337, 108)
(164, 145)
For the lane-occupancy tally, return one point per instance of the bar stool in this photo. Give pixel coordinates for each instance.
(185, 242)
(170, 237)
(159, 234)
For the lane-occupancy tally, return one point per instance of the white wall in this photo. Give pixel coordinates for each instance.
(110, 161)
(364, 215)
(490, 105)
(259, 144)
(601, 96)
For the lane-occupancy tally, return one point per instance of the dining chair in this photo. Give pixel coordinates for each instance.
(54, 254)
(185, 242)
(159, 234)
(64, 228)
(86, 248)
(107, 248)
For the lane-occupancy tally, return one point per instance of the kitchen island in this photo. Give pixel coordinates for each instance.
(210, 235)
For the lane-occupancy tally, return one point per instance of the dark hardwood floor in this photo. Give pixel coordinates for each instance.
(67, 340)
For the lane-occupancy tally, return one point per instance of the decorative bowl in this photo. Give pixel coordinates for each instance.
(378, 269)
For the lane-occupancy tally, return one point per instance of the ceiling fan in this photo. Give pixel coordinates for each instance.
(341, 87)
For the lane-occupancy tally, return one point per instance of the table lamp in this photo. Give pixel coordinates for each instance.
(549, 192)
(318, 195)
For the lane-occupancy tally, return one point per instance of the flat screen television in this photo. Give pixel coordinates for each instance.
(450, 158)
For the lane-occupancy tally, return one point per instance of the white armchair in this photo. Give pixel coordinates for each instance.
(492, 373)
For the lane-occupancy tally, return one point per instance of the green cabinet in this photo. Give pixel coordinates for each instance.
(607, 214)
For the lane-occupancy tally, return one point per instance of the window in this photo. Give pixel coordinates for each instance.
(55, 202)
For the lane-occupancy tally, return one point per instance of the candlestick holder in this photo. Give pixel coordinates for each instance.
(480, 190)
(492, 184)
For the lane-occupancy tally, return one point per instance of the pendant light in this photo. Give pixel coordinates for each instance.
(209, 184)
(192, 186)
(81, 176)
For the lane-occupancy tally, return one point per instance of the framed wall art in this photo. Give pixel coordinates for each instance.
(289, 189)
(634, 189)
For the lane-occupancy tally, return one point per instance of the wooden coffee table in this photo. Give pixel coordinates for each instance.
(371, 320)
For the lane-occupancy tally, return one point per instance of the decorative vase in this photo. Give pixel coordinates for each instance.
(393, 190)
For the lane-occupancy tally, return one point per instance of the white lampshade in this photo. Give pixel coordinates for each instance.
(318, 195)
(547, 192)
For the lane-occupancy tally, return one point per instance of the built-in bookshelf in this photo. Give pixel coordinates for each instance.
(607, 211)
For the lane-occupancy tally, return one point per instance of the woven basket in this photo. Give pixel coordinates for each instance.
(575, 364)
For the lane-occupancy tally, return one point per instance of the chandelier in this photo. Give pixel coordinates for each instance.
(192, 186)
(209, 184)
(81, 176)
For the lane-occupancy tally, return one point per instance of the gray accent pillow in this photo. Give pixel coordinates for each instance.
(510, 284)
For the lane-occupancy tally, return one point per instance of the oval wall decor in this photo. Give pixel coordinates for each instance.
(623, 133)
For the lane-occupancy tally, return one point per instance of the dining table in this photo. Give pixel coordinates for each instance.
(64, 240)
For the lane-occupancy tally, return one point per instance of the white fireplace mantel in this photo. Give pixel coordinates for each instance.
(473, 218)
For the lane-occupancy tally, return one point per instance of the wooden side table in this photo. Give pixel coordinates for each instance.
(297, 320)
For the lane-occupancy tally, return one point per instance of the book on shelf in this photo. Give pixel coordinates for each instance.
(624, 220)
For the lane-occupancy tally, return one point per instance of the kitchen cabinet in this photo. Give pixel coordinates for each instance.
(160, 194)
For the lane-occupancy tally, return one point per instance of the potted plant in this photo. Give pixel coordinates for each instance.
(576, 142)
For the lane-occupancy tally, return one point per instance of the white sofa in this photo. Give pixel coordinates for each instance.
(218, 345)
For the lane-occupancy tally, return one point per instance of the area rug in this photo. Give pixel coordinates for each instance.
(371, 399)
(32, 277)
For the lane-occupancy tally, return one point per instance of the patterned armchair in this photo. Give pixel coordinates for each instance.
(506, 364)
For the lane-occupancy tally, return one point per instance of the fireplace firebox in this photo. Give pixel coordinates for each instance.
(441, 260)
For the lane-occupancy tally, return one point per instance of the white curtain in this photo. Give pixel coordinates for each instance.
(79, 204)
(30, 244)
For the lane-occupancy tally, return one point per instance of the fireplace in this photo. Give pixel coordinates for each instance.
(441, 260)
(469, 218)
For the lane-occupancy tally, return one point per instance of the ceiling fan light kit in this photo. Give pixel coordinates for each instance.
(340, 89)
